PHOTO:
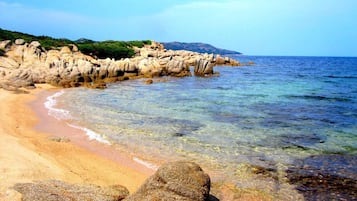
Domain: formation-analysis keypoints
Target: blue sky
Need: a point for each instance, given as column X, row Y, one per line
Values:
column 254, row 27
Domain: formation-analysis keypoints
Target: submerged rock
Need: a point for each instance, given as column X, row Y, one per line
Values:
column 54, row 190
column 326, row 177
column 184, row 181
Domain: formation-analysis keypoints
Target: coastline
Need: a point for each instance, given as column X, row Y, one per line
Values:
column 65, row 130
column 35, row 146
column 27, row 152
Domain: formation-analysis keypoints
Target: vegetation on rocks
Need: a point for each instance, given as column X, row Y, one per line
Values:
column 111, row 49
column 104, row 49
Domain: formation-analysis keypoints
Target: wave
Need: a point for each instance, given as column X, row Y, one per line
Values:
column 91, row 134
column 146, row 164
column 50, row 104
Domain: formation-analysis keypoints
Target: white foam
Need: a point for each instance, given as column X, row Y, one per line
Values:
column 91, row 134
column 50, row 104
column 146, row 164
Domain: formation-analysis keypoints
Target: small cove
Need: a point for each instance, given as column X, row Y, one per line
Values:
column 252, row 126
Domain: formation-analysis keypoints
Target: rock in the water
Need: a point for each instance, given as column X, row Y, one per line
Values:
column 176, row 66
column 149, row 81
column 325, row 177
column 184, row 181
column 54, row 190
column 204, row 67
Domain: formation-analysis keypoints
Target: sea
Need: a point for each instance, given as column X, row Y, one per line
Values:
column 283, row 125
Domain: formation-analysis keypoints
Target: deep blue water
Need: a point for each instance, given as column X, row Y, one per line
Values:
column 277, row 111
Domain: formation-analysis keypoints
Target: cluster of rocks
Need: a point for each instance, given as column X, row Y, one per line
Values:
column 25, row 64
column 181, row 181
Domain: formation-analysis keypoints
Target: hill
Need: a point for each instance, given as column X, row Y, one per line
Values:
column 198, row 47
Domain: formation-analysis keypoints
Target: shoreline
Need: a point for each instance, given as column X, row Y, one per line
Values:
column 27, row 152
column 63, row 129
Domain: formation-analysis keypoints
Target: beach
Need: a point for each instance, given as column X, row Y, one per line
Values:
column 264, row 137
column 27, row 154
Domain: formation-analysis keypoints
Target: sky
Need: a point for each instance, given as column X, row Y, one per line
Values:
column 253, row 27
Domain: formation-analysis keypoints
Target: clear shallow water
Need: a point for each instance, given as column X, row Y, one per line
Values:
column 275, row 112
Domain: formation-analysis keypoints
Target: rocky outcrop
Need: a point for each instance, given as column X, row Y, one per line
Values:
column 24, row 64
column 55, row 190
column 181, row 181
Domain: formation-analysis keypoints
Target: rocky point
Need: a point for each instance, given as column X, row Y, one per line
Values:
column 26, row 64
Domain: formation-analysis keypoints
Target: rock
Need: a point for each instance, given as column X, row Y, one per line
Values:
column 59, row 139
column 149, row 81
column 65, row 50
column 5, row 44
column 184, row 181
column 325, row 177
column 156, row 46
column 54, row 190
column 149, row 67
column 203, row 67
column 8, row 63
column 74, row 48
column 176, row 66
column 220, row 60
column 35, row 44
column 28, row 64
column 19, row 41
column 233, row 62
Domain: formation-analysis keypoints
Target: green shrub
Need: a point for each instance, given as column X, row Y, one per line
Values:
column 51, row 43
column 111, row 49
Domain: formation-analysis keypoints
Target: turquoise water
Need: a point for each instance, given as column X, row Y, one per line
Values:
column 278, row 111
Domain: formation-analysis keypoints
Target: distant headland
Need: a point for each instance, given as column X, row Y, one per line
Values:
column 199, row 47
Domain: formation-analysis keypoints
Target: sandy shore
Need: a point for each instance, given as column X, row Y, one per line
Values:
column 28, row 153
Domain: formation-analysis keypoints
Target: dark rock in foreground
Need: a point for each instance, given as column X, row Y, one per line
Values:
column 54, row 190
column 184, row 181
column 326, row 177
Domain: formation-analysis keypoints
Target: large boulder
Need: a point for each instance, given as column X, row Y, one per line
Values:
column 204, row 67
column 176, row 66
column 127, row 65
column 54, row 190
column 181, row 181
column 150, row 67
